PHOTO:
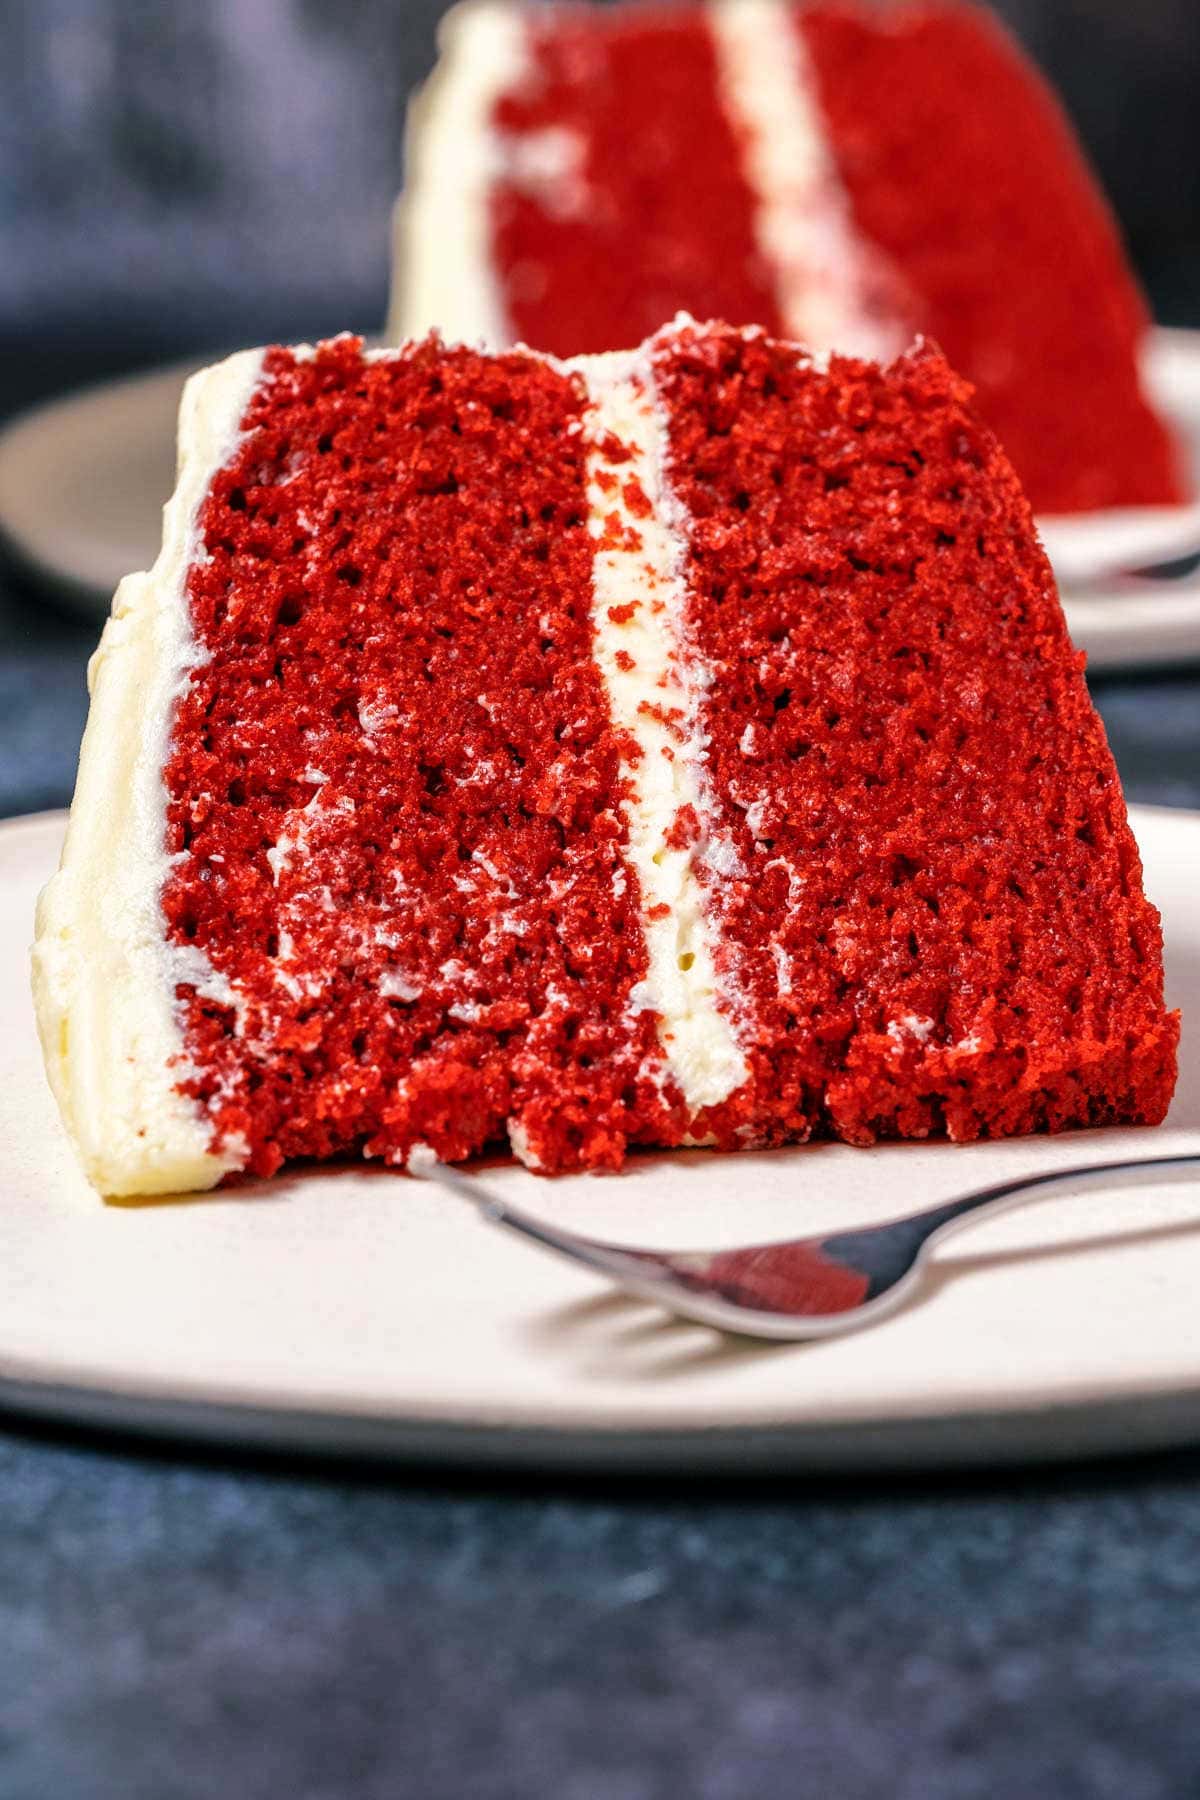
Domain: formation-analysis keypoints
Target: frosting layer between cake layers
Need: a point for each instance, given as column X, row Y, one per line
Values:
column 654, row 680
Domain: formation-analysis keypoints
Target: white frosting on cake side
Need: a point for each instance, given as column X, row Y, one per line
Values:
column 652, row 684
column 802, row 219
column 104, row 975
column 442, row 268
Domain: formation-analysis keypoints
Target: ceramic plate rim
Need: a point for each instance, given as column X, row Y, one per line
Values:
column 1102, row 1425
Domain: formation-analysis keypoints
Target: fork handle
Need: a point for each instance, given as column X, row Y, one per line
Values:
column 1141, row 1171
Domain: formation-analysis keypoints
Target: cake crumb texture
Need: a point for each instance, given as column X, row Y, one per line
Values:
column 941, row 926
column 395, row 788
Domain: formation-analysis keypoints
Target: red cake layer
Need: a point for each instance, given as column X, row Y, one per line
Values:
column 960, row 166
column 399, row 685
column 939, row 924
column 662, row 218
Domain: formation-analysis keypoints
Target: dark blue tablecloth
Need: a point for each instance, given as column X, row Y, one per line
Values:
column 178, row 1631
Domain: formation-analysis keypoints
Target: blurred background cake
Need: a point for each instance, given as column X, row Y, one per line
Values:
column 848, row 175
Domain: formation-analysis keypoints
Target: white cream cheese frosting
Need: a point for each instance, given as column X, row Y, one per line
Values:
column 442, row 275
column 652, row 680
column 104, row 975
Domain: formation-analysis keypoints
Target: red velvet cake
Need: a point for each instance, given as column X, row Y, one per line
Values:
column 841, row 174
column 679, row 746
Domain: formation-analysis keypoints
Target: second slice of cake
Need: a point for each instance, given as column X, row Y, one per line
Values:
column 676, row 746
column 841, row 173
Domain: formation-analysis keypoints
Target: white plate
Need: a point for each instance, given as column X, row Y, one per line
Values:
column 1086, row 547
column 83, row 481
column 359, row 1310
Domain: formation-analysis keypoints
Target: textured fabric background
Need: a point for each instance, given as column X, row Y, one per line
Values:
column 175, row 1628
column 176, row 1631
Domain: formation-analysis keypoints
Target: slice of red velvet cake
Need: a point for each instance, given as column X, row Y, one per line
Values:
column 681, row 746
column 839, row 173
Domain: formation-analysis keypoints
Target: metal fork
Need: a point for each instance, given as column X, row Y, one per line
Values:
column 805, row 1287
